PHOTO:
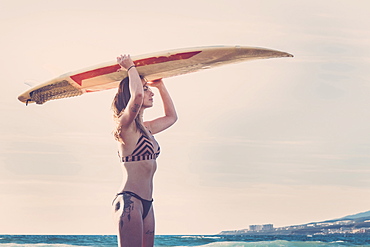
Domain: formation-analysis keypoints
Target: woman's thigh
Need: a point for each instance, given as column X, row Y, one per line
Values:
column 128, row 211
column 149, row 229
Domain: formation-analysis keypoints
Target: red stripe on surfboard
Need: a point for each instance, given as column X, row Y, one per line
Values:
column 94, row 73
column 162, row 59
column 78, row 78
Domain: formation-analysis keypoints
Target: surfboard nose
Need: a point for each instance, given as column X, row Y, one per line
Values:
column 288, row 55
column 283, row 54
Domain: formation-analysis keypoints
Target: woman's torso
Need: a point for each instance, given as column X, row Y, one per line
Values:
column 138, row 157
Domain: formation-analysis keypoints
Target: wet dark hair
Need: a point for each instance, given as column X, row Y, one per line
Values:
column 119, row 104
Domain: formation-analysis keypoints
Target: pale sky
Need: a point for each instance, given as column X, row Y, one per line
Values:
column 282, row 141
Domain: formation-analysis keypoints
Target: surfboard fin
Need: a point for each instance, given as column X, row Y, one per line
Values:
column 30, row 83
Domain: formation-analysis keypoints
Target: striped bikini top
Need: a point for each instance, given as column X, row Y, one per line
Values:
column 144, row 150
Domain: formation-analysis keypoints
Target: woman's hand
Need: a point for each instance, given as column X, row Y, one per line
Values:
column 170, row 116
column 125, row 62
column 155, row 83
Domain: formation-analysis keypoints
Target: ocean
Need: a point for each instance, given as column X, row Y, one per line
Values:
column 190, row 240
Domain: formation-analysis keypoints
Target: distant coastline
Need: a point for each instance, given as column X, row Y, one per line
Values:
column 351, row 224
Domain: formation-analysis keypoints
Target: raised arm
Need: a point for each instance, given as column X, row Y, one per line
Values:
column 136, row 90
column 170, row 115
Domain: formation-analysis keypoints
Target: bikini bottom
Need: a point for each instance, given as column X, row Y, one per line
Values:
column 146, row 203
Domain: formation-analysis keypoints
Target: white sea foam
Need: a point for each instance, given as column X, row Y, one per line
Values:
column 276, row 243
column 201, row 237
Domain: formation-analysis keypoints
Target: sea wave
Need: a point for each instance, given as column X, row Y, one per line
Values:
column 279, row 243
column 39, row 245
column 188, row 241
column 201, row 237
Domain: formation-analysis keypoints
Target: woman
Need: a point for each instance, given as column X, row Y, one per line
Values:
column 138, row 151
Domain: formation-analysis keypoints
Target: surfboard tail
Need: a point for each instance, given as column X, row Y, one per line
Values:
column 57, row 90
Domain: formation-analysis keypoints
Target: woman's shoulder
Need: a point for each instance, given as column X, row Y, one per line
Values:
column 147, row 125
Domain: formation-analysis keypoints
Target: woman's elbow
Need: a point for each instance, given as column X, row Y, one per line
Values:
column 174, row 118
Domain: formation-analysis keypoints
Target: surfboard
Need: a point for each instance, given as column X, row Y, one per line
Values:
column 152, row 66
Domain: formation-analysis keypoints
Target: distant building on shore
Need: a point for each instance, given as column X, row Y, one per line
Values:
column 255, row 228
column 266, row 227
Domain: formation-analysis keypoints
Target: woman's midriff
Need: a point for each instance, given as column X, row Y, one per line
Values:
column 140, row 177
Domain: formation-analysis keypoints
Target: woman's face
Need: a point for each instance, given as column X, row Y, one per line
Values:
column 148, row 97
